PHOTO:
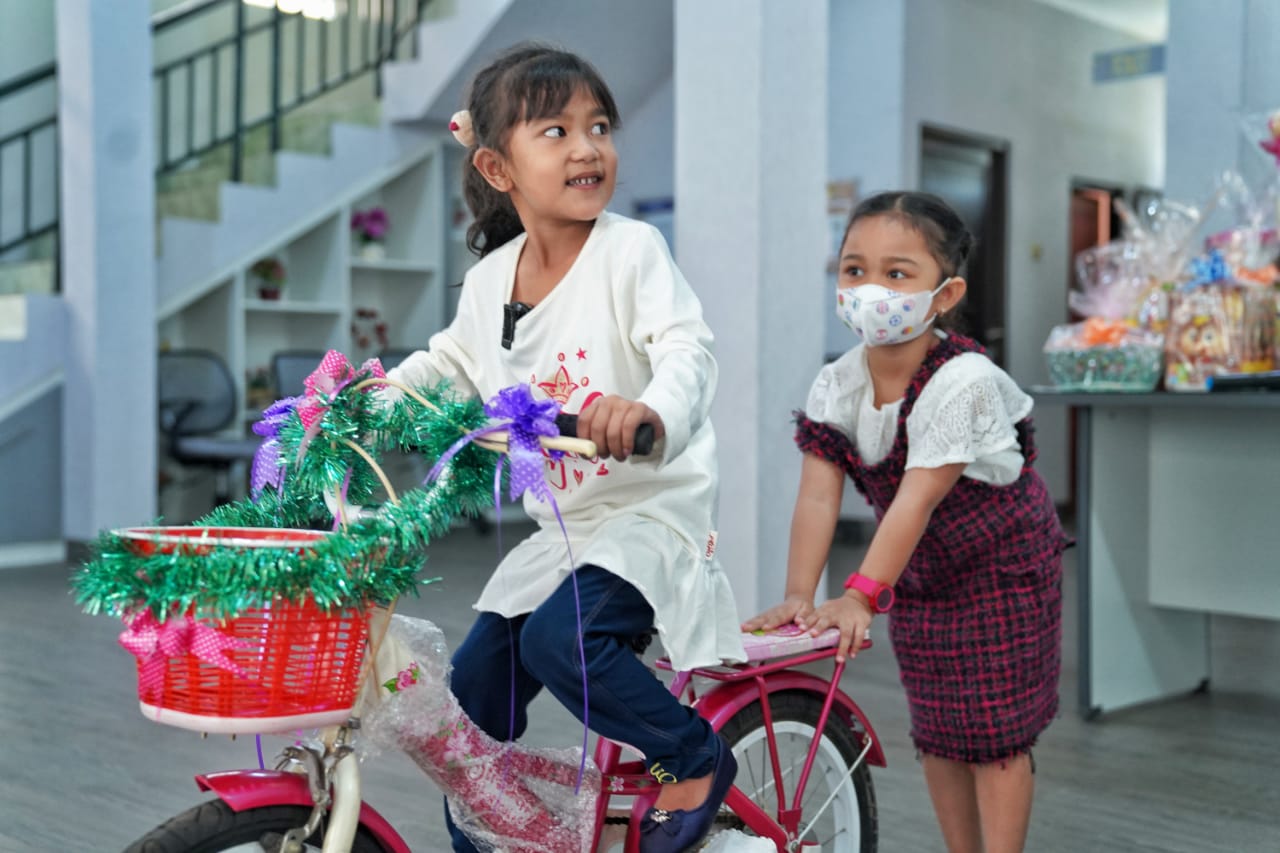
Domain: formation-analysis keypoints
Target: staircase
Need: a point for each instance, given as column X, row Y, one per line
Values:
column 211, row 227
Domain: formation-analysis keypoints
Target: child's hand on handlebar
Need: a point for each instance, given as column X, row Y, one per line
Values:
column 611, row 423
column 850, row 613
column 794, row 609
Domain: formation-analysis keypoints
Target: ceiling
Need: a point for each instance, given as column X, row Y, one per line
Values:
column 1147, row 20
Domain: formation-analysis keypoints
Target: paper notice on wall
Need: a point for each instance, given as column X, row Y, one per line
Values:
column 13, row 317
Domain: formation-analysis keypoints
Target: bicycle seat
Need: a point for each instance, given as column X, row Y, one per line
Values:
column 789, row 639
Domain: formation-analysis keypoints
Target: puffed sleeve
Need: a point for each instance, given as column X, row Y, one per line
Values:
column 666, row 324
column 820, row 404
column 822, row 428
column 968, row 412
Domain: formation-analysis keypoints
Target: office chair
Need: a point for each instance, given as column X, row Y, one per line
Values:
column 290, row 368
column 197, row 400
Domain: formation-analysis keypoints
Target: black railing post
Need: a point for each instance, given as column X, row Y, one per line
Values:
column 27, row 183
column 395, row 29
column 377, row 50
column 275, row 78
column 164, row 120
column 191, row 107
column 215, row 75
column 299, row 64
column 237, row 100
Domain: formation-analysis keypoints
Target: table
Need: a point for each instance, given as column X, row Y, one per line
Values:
column 1177, row 518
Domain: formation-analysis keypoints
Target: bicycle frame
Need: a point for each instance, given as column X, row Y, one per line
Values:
column 738, row 686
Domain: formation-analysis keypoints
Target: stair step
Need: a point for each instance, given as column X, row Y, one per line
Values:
column 35, row 276
column 411, row 88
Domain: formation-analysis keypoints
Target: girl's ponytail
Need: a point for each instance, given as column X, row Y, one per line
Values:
column 495, row 220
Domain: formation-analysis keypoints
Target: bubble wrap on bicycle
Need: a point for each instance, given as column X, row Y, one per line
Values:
column 504, row 796
column 622, row 321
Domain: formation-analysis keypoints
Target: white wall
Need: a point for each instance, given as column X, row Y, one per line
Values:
column 1222, row 66
column 646, row 151
column 1022, row 72
column 26, row 36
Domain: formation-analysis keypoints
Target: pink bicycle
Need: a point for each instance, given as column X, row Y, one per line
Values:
column 803, row 746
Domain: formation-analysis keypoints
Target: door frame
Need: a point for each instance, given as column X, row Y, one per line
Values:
column 998, row 218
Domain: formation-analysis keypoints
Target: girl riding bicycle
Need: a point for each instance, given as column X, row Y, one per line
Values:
column 589, row 308
column 967, row 555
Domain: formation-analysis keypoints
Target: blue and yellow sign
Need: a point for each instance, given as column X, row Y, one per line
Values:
column 1128, row 63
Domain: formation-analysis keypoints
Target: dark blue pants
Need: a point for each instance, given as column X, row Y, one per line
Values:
column 626, row 702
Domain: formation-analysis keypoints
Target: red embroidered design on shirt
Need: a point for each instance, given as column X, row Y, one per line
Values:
column 561, row 388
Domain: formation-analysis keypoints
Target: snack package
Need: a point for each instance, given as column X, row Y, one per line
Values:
column 1224, row 327
column 1104, row 355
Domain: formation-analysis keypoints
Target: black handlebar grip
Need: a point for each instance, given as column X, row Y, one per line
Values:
column 568, row 425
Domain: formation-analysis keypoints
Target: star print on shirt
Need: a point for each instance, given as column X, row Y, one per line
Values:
column 582, row 354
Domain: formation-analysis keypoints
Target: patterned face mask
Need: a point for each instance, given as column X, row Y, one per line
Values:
column 880, row 316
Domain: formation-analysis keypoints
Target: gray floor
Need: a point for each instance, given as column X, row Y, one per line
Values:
column 86, row 772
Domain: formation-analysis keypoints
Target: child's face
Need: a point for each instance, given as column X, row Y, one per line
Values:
column 886, row 251
column 563, row 168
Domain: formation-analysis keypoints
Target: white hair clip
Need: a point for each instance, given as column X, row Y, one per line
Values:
column 460, row 124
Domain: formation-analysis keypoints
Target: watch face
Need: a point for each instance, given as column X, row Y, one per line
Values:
column 884, row 599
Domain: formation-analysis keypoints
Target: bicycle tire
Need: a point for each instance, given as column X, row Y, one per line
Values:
column 214, row 827
column 795, row 718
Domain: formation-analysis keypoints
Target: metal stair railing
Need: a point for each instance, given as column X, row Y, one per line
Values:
column 368, row 34
column 326, row 54
column 31, row 137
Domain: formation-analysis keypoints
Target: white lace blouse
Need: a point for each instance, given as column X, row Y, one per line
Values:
column 966, row 412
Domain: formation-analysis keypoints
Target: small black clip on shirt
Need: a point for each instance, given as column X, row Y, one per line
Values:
column 511, row 313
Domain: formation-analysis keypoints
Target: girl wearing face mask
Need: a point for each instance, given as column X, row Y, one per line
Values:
column 967, row 556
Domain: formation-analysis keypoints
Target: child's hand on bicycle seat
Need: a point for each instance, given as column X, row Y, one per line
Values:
column 793, row 609
column 611, row 423
column 850, row 613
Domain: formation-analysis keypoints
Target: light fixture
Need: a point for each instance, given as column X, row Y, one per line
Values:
column 320, row 10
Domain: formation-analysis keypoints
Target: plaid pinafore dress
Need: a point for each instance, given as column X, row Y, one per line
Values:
column 977, row 625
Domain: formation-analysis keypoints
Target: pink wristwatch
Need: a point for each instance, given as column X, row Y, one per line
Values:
column 881, row 594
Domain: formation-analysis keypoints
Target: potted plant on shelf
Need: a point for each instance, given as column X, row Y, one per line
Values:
column 258, row 393
column 368, row 333
column 269, row 273
column 370, row 228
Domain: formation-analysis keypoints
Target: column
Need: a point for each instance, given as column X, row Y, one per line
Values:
column 108, row 264
column 750, row 176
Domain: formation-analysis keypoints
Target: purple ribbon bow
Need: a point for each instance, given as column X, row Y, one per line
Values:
column 526, row 420
column 267, row 470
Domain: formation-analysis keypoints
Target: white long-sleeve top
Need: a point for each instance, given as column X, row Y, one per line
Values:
column 622, row 321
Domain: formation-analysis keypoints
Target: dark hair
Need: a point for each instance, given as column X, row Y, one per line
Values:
column 948, row 238
column 528, row 82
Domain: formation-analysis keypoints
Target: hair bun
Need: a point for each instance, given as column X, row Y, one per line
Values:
column 460, row 125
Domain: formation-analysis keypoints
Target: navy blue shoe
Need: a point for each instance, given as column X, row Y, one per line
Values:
column 663, row 831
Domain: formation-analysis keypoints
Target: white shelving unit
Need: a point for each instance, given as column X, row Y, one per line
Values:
column 327, row 281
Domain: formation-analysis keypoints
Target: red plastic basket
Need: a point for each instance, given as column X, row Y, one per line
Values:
column 300, row 665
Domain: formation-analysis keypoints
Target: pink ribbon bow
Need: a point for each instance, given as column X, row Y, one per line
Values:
column 333, row 374
column 153, row 642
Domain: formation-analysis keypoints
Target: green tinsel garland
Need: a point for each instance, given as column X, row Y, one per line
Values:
column 371, row 560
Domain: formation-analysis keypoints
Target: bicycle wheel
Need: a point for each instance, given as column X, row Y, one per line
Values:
column 213, row 827
column 848, row 823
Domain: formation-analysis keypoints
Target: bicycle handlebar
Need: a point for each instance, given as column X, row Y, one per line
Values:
column 568, row 425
